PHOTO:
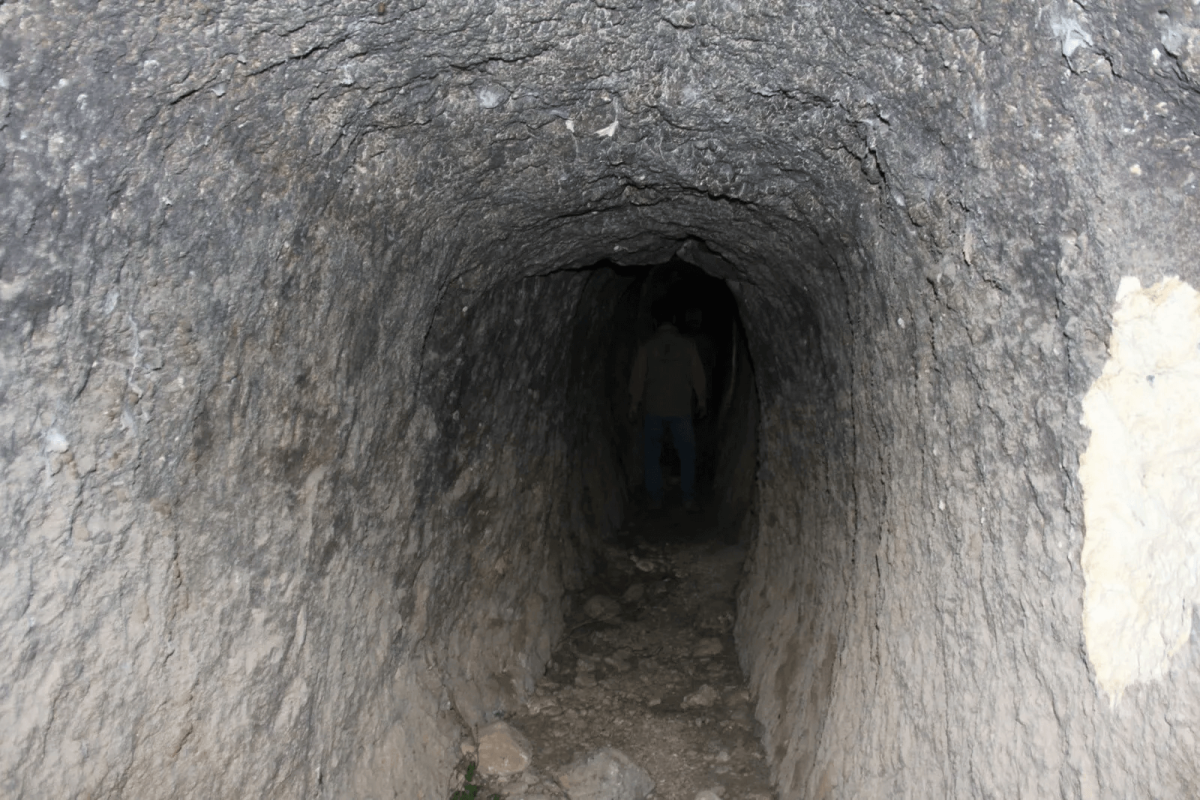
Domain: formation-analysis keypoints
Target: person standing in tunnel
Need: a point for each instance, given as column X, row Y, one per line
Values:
column 666, row 371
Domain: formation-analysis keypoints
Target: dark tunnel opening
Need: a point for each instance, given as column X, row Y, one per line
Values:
column 535, row 371
column 726, row 437
column 531, row 376
column 608, row 314
column 606, row 308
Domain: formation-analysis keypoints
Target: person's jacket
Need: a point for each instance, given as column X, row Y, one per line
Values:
column 667, row 370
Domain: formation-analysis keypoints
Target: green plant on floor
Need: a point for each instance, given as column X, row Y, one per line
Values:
column 469, row 789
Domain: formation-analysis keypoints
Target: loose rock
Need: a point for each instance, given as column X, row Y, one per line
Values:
column 634, row 594
column 606, row 774
column 703, row 697
column 503, row 750
column 623, row 685
column 600, row 607
column 619, row 660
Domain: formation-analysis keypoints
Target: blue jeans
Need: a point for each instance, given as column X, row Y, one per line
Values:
column 685, row 444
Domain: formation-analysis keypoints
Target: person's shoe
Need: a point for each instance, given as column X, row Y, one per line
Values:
column 689, row 505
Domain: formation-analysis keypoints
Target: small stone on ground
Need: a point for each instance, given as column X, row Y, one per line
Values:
column 656, row 679
column 606, row 774
column 601, row 607
column 503, row 750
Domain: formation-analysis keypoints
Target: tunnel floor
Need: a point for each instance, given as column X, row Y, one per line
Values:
column 648, row 667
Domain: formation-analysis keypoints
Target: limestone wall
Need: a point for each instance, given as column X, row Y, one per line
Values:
column 303, row 432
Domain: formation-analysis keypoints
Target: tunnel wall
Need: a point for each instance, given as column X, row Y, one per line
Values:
column 938, row 651
column 308, row 515
column 736, row 478
column 251, row 547
column 525, row 483
column 238, row 554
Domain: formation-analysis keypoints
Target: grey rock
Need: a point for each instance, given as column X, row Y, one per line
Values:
column 334, row 502
column 704, row 697
column 600, row 607
column 605, row 774
column 634, row 594
column 490, row 95
column 503, row 750
column 619, row 660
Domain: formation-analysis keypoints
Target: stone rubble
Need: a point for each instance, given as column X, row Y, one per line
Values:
column 600, row 607
column 703, row 697
column 646, row 700
column 606, row 774
column 502, row 750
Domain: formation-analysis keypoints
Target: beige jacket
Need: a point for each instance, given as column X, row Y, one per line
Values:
column 667, row 370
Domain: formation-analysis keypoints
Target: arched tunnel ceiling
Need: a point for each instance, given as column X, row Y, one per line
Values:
column 505, row 113
column 509, row 111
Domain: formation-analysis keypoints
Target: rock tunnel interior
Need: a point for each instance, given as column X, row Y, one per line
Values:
column 316, row 330
column 726, row 439
column 526, row 382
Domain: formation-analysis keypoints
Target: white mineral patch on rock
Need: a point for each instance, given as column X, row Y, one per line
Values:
column 56, row 442
column 503, row 750
column 608, row 131
column 491, row 96
column 1070, row 34
column 1141, row 555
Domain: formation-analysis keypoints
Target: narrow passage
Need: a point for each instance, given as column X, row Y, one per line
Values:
column 648, row 668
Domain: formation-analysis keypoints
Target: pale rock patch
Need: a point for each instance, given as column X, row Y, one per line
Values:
column 1140, row 474
column 606, row 774
column 503, row 750
column 601, row 607
column 703, row 697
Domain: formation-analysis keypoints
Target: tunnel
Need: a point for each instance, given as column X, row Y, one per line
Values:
column 316, row 322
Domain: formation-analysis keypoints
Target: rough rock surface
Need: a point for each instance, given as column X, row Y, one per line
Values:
column 309, row 407
column 606, row 774
column 601, row 607
column 502, row 750
column 642, row 667
column 1140, row 476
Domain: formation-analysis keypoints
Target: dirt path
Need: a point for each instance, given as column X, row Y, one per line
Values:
column 648, row 667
